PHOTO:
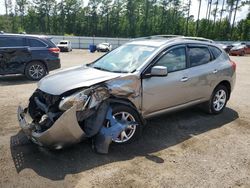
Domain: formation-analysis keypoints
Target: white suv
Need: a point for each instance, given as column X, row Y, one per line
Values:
column 65, row 45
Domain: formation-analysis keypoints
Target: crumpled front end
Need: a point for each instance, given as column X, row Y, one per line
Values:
column 65, row 130
column 59, row 121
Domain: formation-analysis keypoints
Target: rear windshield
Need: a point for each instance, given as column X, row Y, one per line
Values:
column 50, row 42
column 63, row 42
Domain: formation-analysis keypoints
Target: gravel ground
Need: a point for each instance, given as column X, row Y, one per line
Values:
column 183, row 149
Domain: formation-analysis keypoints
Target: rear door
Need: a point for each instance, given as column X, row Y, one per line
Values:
column 14, row 54
column 201, row 73
column 39, row 49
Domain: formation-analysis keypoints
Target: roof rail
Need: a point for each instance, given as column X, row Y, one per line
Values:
column 198, row 39
column 157, row 37
column 174, row 37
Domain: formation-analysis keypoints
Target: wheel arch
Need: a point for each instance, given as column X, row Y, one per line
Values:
column 227, row 84
column 127, row 102
column 34, row 60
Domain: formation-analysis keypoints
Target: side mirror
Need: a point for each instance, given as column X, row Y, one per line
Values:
column 159, row 71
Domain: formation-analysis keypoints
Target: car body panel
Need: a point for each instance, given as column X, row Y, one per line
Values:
column 12, row 60
column 72, row 78
column 65, row 130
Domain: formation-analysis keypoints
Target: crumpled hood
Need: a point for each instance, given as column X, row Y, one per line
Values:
column 76, row 77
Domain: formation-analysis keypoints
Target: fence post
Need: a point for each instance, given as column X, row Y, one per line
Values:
column 79, row 43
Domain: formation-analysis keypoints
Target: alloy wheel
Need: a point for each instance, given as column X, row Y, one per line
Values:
column 36, row 71
column 219, row 100
column 130, row 130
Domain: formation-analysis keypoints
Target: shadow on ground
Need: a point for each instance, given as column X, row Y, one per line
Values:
column 159, row 134
column 14, row 80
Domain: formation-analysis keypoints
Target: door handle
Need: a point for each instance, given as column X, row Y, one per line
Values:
column 184, row 79
column 215, row 71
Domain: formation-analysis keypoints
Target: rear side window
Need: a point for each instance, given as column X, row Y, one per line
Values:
column 36, row 43
column 11, row 41
column 215, row 51
column 198, row 56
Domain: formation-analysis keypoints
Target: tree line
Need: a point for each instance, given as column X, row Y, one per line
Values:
column 126, row 18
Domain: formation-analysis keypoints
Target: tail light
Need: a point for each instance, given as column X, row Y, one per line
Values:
column 233, row 64
column 54, row 50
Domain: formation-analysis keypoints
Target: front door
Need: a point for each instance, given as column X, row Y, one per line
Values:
column 164, row 92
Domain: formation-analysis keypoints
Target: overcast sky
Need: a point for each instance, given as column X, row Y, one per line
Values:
column 194, row 7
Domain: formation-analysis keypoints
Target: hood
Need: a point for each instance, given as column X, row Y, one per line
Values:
column 238, row 47
column 72, row 78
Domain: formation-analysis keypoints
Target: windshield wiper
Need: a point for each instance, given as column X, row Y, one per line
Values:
column 103, row 69
column 120, row 71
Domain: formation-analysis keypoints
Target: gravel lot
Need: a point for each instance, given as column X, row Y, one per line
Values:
column 184, row 149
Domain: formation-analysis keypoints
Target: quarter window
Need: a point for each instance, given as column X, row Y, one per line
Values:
column 215, row 51
column 198, row 56
column 11, row 41
column 174, row 59
column 36, row 43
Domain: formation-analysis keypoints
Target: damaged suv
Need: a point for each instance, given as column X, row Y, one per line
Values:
column 109, row 99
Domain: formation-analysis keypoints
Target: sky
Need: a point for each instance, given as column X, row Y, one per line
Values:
column 193, row 11
column 195, row 5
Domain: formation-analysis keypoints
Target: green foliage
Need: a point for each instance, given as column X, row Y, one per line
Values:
column 123, row 18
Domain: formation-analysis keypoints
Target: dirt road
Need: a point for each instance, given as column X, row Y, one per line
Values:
column 183, row 149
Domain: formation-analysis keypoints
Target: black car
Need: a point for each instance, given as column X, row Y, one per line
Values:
column 33, row 56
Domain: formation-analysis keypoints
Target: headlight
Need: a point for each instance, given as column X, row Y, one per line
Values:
column 80, row 99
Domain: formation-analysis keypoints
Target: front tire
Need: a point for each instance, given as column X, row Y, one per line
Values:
column 126, row 113
column 35, row 71
column 218, row 100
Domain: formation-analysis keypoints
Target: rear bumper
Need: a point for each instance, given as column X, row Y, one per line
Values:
column 54, row 64
column 235, row 52
column 62, row 49
column 65, row 130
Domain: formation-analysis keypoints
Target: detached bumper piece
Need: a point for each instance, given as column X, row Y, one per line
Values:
column 107, row 134
column 65, row 131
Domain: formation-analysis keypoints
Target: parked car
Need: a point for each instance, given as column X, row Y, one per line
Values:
column 65, row 45
column 104, row 47
column 240, row 49
column 112, row 97
column 227, row 47
column 33, row 56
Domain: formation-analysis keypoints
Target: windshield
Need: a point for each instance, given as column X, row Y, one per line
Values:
column 63, row 42
column 125, row 59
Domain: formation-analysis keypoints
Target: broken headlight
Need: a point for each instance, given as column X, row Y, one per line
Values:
column 80, row 98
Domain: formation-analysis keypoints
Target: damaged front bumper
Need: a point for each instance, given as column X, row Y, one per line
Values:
column 65, row 131
column 58, row 121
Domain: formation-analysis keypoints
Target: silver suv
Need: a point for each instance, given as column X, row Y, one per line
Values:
column 111, row 98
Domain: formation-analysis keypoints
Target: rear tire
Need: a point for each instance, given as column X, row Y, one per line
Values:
column 217, row 101
column 35, row 70
column 133, row 133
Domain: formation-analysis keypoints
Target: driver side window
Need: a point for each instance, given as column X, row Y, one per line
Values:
column 174, row 59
